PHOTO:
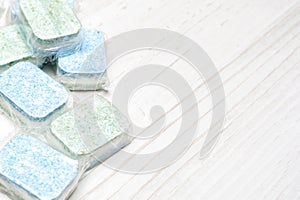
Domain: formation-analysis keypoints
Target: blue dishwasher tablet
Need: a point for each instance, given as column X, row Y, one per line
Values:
column 77, row 63
column 31, row 92
column 30, row 169
column 84, row 69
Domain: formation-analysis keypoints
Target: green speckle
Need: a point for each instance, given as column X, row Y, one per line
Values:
column 56, row 16
column 13, row 45
column 92, row 127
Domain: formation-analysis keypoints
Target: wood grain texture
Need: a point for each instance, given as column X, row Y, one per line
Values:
column 255, row 46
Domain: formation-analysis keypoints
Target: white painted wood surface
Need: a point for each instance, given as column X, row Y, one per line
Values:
column 255, row 46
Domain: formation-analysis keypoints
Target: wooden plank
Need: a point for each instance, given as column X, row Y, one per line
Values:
column 121, row 180
column 255, row 47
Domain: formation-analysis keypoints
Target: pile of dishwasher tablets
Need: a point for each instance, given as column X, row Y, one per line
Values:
column 55, row 142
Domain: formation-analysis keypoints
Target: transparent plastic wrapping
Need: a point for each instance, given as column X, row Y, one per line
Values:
column 6, row 7
column 13, row 46
column 42, row 61
column 30, row 97
column 86, row 68
column 31, row 170
column 93, row 130
column 51, row 27
column 7, row 130
column 75, row 5
column 71, row 4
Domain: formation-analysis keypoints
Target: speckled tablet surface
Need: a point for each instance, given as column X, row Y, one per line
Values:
column 31, row 91
column 50, row 19
column 90, row 61
column 34, row 170
column 13, row 45
column 88, row 128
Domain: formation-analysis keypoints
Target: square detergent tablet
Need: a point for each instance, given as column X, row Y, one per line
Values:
column 30, row 169
column 31, row 92
column 86, row 68
column 13, row 45
column 92, row 128
column 51, row 26
column 50, row 19
column 89, row 60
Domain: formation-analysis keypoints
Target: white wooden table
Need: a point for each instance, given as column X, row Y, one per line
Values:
column 255, row 46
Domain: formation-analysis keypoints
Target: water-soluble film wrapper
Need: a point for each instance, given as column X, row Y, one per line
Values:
column 30, row 97
column 86, row 68
column 51, row 27
column 7, row 130
column 31, row 170
column 6, row 10
column 13, row 46
column 93, row 130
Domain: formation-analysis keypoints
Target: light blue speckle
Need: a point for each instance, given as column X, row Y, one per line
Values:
column 32, row 92
column 71, row 3
column 36, row 169
column 89, row 61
